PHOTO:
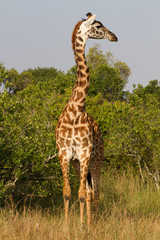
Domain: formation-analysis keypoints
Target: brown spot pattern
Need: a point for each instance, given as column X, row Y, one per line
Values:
column 82, row 74
column 82, row 83
column 80, row 39
column 80, row 108
column 77, row 44
column 68, row 142
column 67, row 119
column 81, row 67
column 87, row 70
column 72, row 109
column 79, row 50
column 80, row 59
column 84, row 118
column 69, row 133
column 86, row 89
column 78, row 96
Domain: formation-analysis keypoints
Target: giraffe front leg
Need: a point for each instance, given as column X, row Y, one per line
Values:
column 66, row 197
column 82, row 189
column 66, row 188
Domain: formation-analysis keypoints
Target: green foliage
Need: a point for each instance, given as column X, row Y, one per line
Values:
column 29, row 109
column 124, row 71
column 108, row 76
column 13, row 81
column 43, row 74
column 151, row 90
column 131, row 133
column 3, row 73
column 107, row 81
column 19, row 81
column 95, row 56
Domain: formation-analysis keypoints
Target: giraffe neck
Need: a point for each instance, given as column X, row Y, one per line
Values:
column 79, row 91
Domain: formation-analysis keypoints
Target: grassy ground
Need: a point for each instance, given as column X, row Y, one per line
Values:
column 128, row 210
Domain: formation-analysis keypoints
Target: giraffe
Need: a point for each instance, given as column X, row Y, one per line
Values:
column 78, row 136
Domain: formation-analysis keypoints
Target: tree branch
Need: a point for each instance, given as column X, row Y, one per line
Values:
column 50, row 157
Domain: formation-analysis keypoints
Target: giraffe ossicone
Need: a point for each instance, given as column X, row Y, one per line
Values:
column 78, row 136
column 90, row 20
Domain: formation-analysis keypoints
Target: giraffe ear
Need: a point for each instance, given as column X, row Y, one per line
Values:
column 90, row 20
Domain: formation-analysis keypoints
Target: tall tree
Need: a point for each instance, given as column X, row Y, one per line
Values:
column 108, row 76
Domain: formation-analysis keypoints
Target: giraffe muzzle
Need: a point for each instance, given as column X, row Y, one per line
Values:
column 112, row 37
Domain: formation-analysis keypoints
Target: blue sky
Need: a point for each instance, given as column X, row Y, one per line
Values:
column 38, row 33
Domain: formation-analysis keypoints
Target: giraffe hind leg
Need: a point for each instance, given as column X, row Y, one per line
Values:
column 88, row 198
column 95, row 194
column 82, row 192
column 64, row 161
column 95, row 178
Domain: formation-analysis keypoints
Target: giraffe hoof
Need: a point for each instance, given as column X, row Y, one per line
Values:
column 66, row 193
column 82, row 200
column 66, row 198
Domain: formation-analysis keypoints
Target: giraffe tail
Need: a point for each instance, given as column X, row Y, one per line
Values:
column 89, row 179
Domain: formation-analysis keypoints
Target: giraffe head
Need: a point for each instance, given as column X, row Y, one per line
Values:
column 90, row 28
column 95, row 29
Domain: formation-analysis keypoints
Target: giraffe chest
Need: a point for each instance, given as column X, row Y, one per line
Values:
column 76, row 146
column 75, row 134
column 78, row 135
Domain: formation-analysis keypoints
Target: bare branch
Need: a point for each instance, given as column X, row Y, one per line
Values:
column 139, row 165
column 154, row 176
column 50, row 158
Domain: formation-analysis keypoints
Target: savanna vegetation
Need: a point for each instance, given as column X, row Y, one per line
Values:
column 30, row 174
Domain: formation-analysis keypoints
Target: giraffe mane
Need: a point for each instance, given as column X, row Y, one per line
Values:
column 74, row 33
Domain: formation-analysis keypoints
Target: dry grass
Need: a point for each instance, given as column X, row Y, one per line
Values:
column 35, row 225
column 128, row 209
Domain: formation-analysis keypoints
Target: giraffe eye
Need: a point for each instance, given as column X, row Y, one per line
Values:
column 98, row 26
